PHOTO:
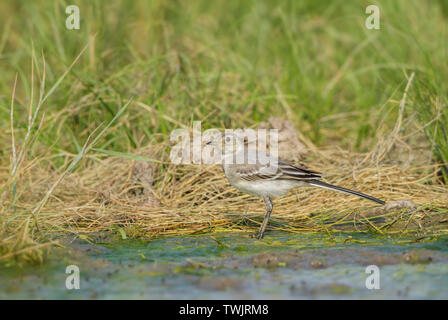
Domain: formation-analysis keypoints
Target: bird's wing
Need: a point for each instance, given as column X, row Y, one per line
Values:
column 296, row 172
column 255, row 172
column 283, row 171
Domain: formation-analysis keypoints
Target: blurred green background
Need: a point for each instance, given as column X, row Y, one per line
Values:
column 228, row 63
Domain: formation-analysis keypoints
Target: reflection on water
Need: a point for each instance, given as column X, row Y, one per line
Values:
column 233, row 266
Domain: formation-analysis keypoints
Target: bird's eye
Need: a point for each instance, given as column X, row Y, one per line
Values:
column 228, row 139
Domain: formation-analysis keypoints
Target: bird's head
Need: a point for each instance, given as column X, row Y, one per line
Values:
column 225, row 141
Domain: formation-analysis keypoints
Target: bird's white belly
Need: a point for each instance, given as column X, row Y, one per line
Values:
column 269, row 188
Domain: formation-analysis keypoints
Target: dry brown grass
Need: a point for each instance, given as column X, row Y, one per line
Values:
column 196, row 198
column 110, row 194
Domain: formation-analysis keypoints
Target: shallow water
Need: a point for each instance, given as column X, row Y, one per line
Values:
column 234, row 266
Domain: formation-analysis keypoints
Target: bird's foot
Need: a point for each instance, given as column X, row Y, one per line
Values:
column 257, row 235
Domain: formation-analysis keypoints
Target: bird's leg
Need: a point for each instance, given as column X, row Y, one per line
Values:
column 269, row 206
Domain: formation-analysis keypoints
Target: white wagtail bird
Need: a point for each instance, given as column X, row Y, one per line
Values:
column 267, row 180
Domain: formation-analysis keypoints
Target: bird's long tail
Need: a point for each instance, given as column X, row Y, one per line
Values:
column 325, row 185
